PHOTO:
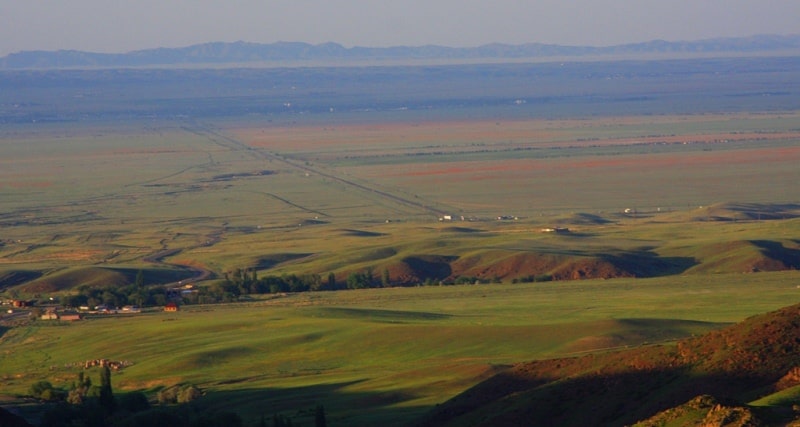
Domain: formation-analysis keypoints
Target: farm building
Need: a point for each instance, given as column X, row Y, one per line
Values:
column 53, row 314
column 50, row 315
column 72, row 317
column 171, row 306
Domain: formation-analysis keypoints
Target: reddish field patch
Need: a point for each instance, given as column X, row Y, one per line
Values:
column 483, row 170
column 16, row 185
column 516, row 133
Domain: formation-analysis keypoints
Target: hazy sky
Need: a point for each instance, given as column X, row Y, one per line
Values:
column 124, row 25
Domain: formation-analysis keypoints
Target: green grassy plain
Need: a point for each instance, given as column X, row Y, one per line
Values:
column 231, row 195
column 713, row 213
column 382, row 355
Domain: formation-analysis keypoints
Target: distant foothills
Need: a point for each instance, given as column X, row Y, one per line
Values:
column 286, row 53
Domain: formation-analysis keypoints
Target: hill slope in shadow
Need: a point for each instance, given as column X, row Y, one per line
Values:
column 734, row 365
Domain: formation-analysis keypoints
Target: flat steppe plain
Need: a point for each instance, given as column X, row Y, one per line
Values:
column 225, row 194
column 678, row 186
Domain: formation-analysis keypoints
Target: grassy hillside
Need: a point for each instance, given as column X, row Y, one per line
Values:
column 379, row 356
column 662, row 244
column 226, row 194
column 754, row 358
column 70, row 278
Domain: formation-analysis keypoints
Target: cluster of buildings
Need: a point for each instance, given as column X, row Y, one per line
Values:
column 70, row 315
column 64, row 316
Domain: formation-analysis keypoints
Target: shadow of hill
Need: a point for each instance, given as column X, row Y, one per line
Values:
column 737, row 363
column 632, row 332
column 392, row 316
column 17, row 277
column 583, row 219
column 612, row 400
column 152, row 275
column 269, row 261
column 343, row 407
column 646, row 263
column 467, row 230
column 434, row 267
column 360, row 233
column 95, row 276
column 789, row 257
column 9, row 419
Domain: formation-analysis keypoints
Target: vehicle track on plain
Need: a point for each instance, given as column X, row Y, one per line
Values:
column 229, row 142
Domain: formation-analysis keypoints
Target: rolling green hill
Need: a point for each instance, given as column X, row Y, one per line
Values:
column 70, row 278
column 750, row 360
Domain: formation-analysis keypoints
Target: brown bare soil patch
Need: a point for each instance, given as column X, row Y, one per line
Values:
column 416, row 269
column 590, row 268
column 527, row 265
column 511, row 266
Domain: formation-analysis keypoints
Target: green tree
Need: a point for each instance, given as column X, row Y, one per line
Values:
column 111, row 299
column 354, row 281
column 331, row 281
column 313, row 282
column 76, row 396
column 369, row 276
column 73, row 301
column 139, row 282
column 188, row 394
column 38, row 388
column 168, row 395
column 386, row 280
column 361, row 280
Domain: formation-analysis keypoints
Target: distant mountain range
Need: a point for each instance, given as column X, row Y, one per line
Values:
column 244, row 53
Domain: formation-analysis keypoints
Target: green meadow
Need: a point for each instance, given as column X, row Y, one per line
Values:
column 381, row 355
column 223, row 196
